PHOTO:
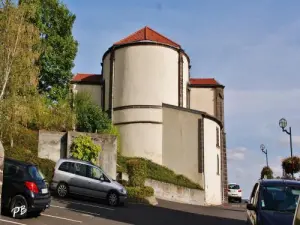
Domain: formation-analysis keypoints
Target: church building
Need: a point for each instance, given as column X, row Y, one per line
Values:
column 161, row 112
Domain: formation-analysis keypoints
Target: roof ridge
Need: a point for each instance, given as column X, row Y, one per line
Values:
column 163, row 36
column 131, row 35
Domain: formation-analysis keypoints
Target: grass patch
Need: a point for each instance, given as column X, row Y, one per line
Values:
column 159, row 173
column 26, row 149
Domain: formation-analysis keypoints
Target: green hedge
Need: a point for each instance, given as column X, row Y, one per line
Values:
column 137, row 170
column 160, row 173
column 45, row 165
column 139, row 192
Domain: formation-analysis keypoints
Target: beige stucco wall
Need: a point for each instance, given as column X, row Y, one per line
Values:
column 202, row 99
column 138, row 114
column 95, row 90
column 145, row 75
column 180, row 143
column 213, row 192
column 142, row 140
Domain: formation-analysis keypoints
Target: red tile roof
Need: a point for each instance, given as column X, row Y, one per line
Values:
column 87, row 78
column 204, row 82
column 147, row 34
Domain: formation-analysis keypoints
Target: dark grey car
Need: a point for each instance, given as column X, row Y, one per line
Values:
column 83, row 178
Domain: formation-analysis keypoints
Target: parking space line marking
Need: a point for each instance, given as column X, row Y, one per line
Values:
column 84, row 204
column 75, row 210
column 8, row 221
column 62, row 218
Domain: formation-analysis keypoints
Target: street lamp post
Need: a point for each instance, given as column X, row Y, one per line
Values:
column 265, row 151
column 283, row 125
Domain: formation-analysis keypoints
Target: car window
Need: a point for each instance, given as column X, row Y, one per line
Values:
column 11, row 170
column 35, row 173
column 280, row 198
column 94, row 172
column 67, row 167
column 81, row 169
column 233, row 186
column 253, row 193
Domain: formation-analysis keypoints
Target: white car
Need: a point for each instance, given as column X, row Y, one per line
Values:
column 234, row 192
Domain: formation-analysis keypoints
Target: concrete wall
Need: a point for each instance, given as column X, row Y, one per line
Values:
column 203, row 99
column 56, row 145
column 52, row 145
column 181, row 142
column 171, row 192
column 213, row 189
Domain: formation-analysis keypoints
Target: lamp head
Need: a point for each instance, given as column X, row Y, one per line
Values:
column 262, row 147
column 282, row 123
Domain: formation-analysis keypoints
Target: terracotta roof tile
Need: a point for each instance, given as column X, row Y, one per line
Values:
column 87, row 78
column 147, row 34
column 204, row 81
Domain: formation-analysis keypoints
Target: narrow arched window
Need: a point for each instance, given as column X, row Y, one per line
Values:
column 218, row 165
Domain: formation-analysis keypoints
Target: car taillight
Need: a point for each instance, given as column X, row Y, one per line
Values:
column 32, row 187
column 240, row 190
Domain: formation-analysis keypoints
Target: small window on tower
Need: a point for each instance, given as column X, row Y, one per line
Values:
column 218, row 165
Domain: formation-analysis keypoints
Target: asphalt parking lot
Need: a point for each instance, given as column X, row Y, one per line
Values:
column 78, row 211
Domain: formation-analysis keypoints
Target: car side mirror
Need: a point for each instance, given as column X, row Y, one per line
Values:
column 251, row 207
column 102, row 179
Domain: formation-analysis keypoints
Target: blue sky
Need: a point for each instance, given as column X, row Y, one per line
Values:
column 252, row 47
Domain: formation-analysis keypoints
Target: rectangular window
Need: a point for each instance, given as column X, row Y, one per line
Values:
column 218, row 165
column 218, row 137
column 188, row 94
column 67, row 167
column 81, row 169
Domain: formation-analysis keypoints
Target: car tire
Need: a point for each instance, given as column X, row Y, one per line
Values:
column 240, row 200
column 62, row 190
column 18, row 201
column 112, row 198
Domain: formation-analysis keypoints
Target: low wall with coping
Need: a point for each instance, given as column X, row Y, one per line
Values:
column 171, row 192
column 174, row 193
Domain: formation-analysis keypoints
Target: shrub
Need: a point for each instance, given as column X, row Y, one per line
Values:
column 45, row 165
column 89, row 116
column 139, row 192
column 159, row 173
column 266, row 171
column 84, row 148
column 291, row 165
column 137, row 172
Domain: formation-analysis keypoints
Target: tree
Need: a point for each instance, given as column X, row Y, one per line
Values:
column 291, row 164
column 89, row 116
column 83, row 148
column 58, row 46
column 266, row 171
column 18, row 73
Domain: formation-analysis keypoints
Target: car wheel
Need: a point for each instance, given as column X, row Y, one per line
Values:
column 112, row 198
column 18, row 207
column 62, row 190
column 240, row 200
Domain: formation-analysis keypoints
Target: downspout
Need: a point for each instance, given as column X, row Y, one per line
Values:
column 180, row 78
column 111, row 77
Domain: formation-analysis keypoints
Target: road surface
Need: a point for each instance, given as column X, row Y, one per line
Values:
column 77, row 211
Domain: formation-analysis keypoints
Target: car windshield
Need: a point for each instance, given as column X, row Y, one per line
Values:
column 233, row 186
column 35, row 173
column 280, row 198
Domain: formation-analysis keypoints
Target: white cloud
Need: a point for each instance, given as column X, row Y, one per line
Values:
column 236, row 153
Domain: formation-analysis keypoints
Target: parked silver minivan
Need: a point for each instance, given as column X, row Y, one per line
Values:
column 85, row 179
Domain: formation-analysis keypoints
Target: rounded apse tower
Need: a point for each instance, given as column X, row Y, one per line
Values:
column 141, row 72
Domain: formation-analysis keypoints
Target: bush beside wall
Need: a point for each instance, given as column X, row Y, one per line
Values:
column 157, row 172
